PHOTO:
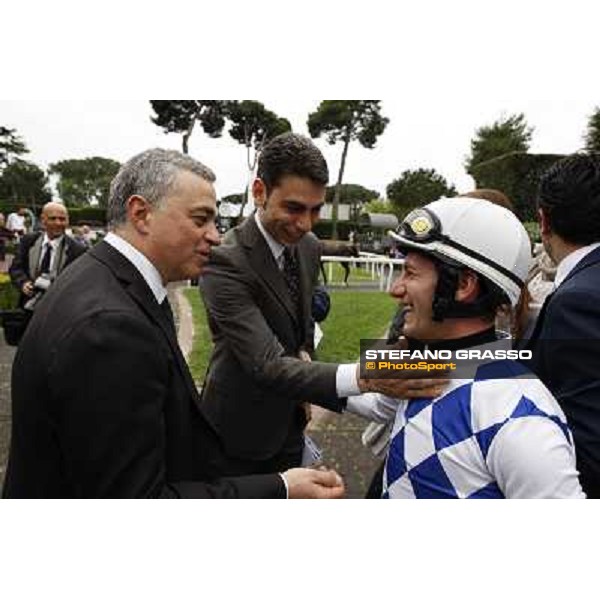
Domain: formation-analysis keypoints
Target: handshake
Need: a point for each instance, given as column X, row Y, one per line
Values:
column 317, row 484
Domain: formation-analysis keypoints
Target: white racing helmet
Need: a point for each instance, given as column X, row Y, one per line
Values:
column 473, row 233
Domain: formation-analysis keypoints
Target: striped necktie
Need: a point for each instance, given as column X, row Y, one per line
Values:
column 291, row 273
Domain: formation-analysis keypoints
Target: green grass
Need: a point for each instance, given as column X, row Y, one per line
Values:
column 354, row 315
column 202, row 347
column 357, row 275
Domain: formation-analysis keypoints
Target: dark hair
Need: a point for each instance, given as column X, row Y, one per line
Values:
column 569, row 195
column 291, row 154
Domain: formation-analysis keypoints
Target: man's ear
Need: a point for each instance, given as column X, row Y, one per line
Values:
column 139, row 213
column 468, row 286
column 259, row 191
column 544, row 222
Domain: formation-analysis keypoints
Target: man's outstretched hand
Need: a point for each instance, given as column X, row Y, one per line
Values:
column 311, row 483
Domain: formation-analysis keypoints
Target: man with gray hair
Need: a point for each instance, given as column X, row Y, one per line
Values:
column 109, row 408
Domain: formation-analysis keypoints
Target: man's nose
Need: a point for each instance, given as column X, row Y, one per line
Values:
column 212, row 234
column 304, row 222
column 398, row 288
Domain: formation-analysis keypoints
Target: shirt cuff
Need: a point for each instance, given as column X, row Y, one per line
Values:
column 285, row 483
column 346, row 381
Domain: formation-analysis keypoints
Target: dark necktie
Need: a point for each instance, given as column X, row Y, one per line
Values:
column 168, row 313
column 291, row 274
column 45, row 265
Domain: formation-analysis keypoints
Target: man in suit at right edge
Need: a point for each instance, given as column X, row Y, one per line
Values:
column 566, row 338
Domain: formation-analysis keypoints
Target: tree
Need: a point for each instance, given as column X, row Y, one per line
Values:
column 233, row 198
column 11, row 146
column 592, row 135
column 416, row 188
column 507, row 134
column 378, row 205
column 84, row 182
column 26, row 182
column 353, row 194
column 180, row 116
column 252, row 125
column 345, row 121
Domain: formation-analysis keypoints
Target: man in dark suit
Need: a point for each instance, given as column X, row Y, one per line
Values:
column 47, row 252
column 108, row 408
column 258, row 289
column 566, row 338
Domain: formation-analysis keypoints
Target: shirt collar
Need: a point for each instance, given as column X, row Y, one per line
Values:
column 146, row 269
column 275, row 247
column 569, row 262
column 54, row 243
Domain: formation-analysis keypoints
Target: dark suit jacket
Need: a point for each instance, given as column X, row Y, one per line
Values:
column 103, row 402
column 25, row 263
column 566, row 357
column 254, row 384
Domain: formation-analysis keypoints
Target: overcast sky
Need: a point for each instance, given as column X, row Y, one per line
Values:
column 442, row 69
column 427, row 129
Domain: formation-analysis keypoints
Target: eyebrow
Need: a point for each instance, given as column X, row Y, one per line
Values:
column 291, row 203
column 203, row 211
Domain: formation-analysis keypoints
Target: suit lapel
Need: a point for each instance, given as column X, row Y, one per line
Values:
column 137, row 288
column 63, row 255
column 264, row 265
column 34, row 257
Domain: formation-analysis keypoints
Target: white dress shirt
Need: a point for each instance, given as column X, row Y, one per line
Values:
column 146, row 269
column 569, row 262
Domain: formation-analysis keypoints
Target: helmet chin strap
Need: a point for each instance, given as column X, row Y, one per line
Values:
column 444, row 305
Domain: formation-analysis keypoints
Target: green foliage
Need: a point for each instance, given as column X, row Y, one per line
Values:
column 379, row 206
column 592, row 135
column 507, row 134
column 9, row 295
column 90, row 215
column 417, row 187
column 323, row 229
column 11, row 146
column 180, row 116
column 533, row 229
column 25, row 182
column 85, row 181
column 233, row 198
column 345, row 121
column 252, row 124
column 351, row 193
column 517, row 175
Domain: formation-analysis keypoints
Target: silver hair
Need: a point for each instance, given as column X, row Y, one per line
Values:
column 151, row 175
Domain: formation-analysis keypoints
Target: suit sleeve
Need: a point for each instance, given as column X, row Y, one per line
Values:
column 235, row 315
column 110, row 383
